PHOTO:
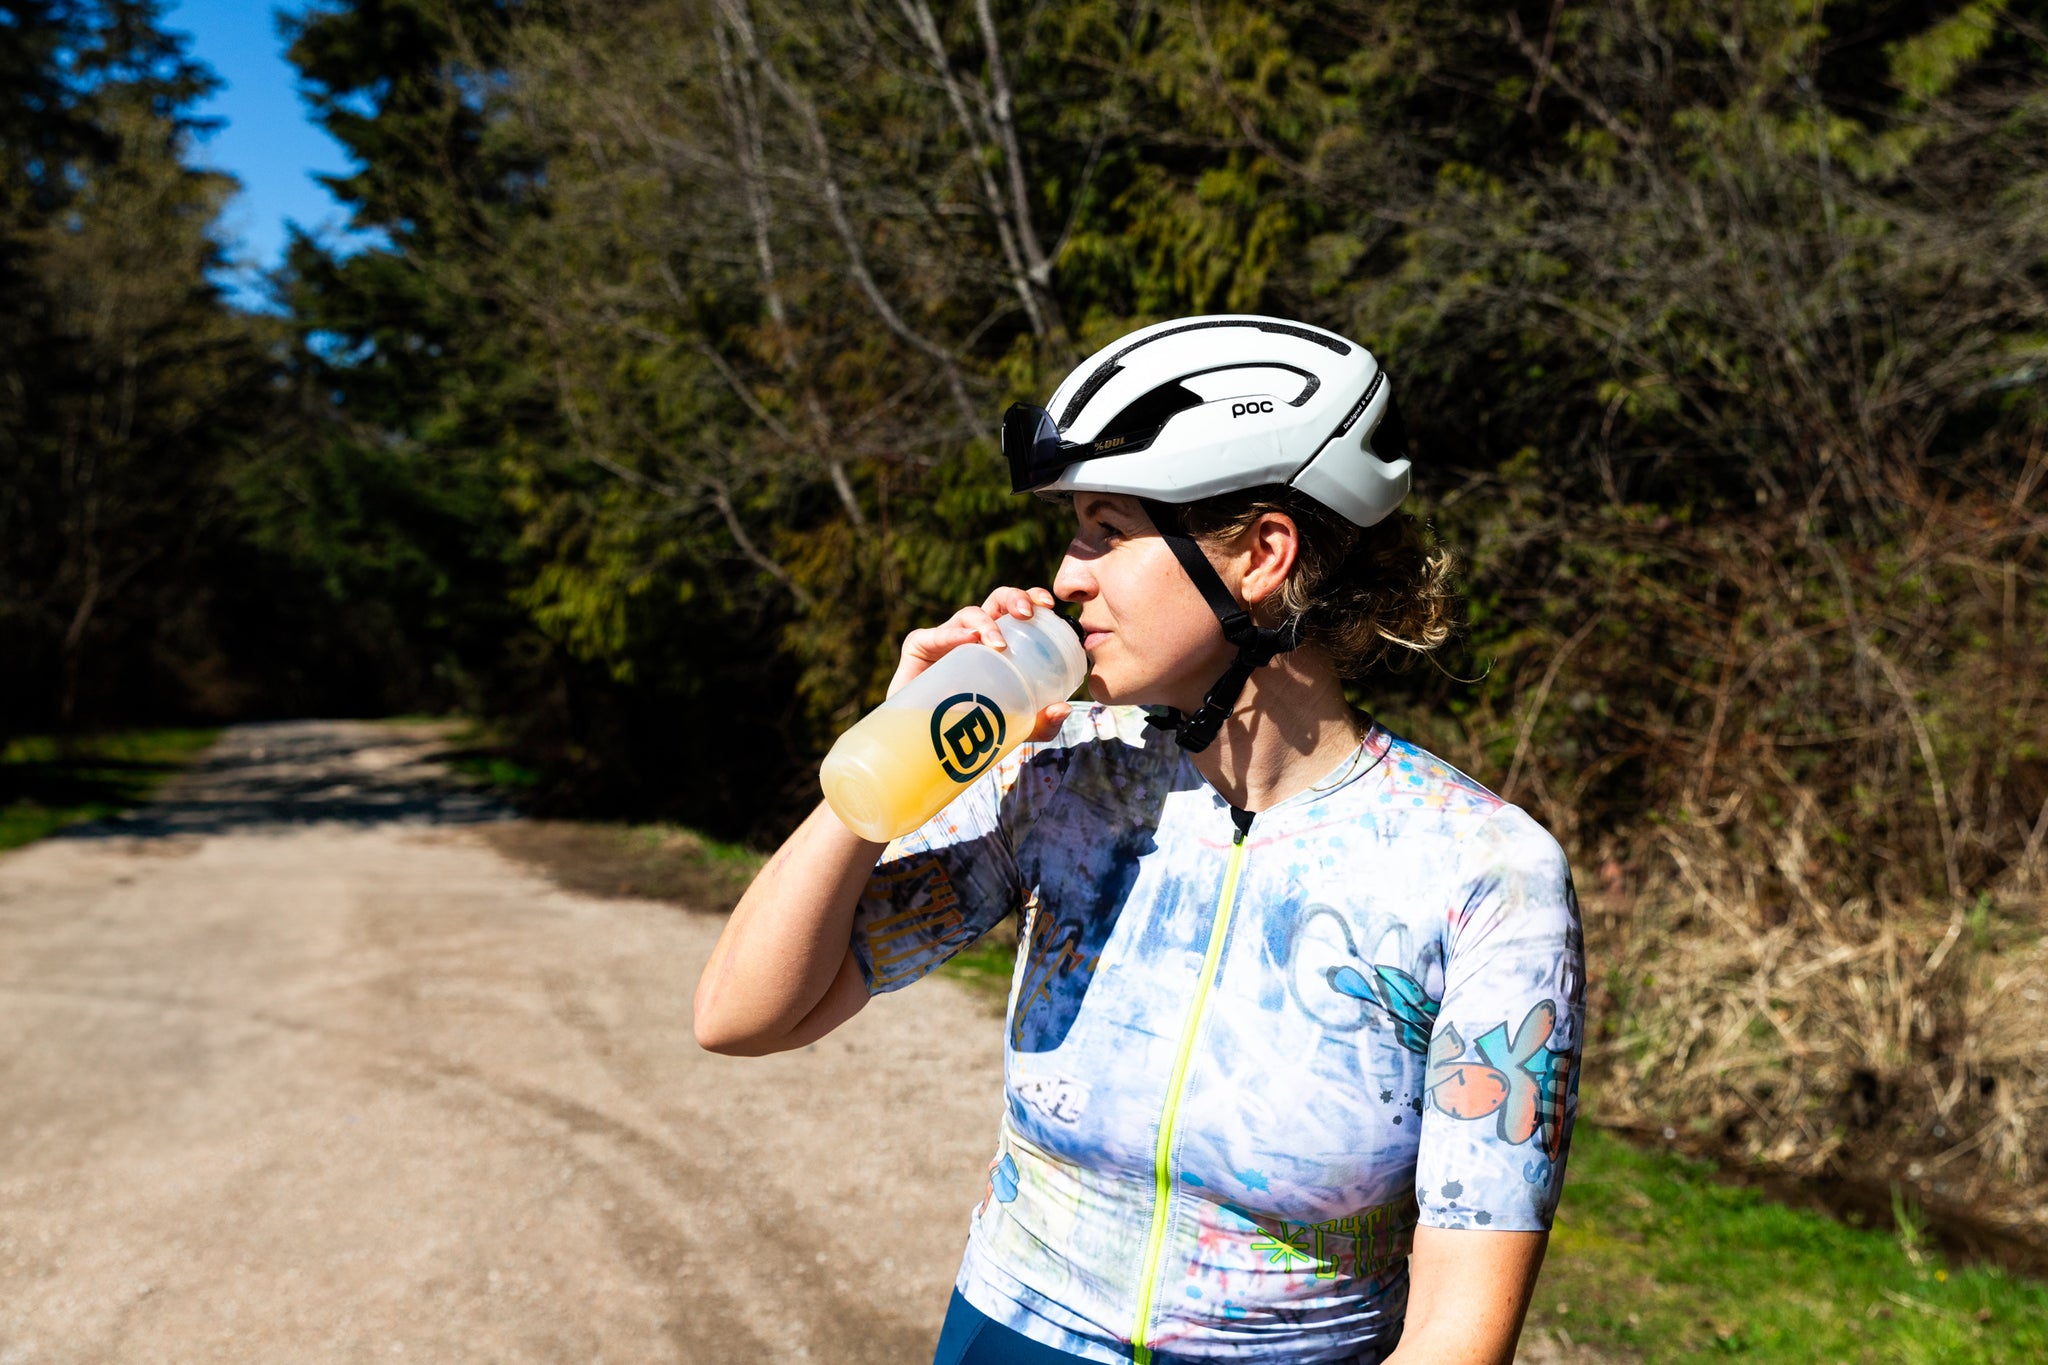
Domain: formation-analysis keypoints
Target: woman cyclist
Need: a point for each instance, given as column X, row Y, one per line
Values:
column 1292, row 1040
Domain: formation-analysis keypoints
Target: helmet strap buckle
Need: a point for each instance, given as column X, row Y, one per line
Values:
column 1257, row 645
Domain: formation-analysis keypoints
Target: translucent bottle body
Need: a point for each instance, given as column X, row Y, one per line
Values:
column 905, row 760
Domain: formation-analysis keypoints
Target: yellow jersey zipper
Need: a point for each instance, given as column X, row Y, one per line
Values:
column 1169, row 1118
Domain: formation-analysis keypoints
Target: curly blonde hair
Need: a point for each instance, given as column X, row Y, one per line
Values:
column 1369, row 597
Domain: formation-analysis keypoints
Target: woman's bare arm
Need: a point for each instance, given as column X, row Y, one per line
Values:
column 783, row 973
column 1467, row 1294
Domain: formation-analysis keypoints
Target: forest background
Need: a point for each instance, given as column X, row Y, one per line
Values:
column 666, row 401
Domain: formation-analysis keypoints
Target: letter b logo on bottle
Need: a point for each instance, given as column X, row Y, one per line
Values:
column 967, row 730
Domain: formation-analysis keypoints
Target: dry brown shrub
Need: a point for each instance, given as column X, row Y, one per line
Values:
column 1804, row 775
column 1881, row 1040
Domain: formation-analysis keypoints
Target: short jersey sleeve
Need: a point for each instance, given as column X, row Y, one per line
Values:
column 939, row 888
column 1504, row 1051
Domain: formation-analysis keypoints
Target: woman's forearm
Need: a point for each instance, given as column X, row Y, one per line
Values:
column 1467, row 1293
column 782, row 973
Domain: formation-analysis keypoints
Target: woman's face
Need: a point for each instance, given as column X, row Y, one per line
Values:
column 1151, row 639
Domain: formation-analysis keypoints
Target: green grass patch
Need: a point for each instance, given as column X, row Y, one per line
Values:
column 1654, row 1258
column 495, row 770
column 49, row 782
column 480, row 752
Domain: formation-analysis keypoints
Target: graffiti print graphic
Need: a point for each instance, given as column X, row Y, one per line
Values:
column 1002, row 1182
column 1362, row 1243
column 1396, row 992
column 1519, row 1079
column 1334, row 984
column 1055, row 1097
column 1321, row 942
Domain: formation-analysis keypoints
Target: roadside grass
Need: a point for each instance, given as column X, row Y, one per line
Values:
column 496, row 770
column 985, row 967
column 668, row 862
column 480, row 753
column 49, row 782
column 1655, row 1259
column 654, row 861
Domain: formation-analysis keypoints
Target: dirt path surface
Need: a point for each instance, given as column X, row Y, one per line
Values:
column 298, row 1069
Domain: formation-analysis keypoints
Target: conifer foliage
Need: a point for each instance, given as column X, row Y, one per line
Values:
column 125, row 382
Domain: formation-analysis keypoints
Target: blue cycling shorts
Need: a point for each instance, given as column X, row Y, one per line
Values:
column 970, row 1337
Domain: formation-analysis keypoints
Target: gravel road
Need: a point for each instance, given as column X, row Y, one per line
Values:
column 299, row 1069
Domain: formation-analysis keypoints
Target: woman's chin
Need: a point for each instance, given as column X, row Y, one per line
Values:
column 1109, row 691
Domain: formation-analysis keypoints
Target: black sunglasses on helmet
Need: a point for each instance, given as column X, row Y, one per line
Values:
column 1037, row 455
column 1032, row 445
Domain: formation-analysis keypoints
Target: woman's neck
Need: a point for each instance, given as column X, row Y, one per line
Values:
column 1289, row 729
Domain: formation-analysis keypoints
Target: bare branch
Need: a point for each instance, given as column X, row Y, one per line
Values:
column 1549, row 71
column 745, row 115
column 1003, row 115
column 921, row 20
column 721, row 498
column 828, row 186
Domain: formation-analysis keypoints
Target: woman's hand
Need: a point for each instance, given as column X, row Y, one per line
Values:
column 979, row 625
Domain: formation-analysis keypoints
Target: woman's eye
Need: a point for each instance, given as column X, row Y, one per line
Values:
column 1110, row 532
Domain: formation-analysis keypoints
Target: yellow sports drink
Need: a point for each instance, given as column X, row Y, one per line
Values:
column 904, row 761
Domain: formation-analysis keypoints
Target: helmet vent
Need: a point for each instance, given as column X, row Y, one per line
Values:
column 1150, row 412
column 1234, row 381
column 1109, row 369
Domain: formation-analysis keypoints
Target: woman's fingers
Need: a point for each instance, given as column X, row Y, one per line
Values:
column 969, row 625
column 935, row 642
column 1018, row 602
column 982, row 623
column 1009, row 602
column 1049, row 721
column 923, row 648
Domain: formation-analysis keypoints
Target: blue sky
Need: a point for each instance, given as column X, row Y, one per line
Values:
column 270, row 141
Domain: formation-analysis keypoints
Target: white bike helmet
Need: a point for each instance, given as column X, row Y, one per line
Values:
column 1188, row 409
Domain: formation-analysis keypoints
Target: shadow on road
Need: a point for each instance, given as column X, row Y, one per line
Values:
column 295, row 773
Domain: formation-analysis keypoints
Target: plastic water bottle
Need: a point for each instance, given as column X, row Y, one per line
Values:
column 904, row 761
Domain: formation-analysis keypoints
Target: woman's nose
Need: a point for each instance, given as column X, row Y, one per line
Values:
column 1073, row 583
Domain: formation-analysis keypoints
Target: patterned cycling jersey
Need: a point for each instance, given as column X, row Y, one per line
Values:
column 1240, row 1071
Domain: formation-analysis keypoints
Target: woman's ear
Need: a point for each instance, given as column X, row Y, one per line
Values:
column 1267, row 553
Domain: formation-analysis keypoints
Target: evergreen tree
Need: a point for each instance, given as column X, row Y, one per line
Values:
column 127, row 379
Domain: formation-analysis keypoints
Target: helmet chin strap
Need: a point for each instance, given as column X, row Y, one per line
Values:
column 1257, row 645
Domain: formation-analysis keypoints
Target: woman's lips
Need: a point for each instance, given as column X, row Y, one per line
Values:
column 1091, row 637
